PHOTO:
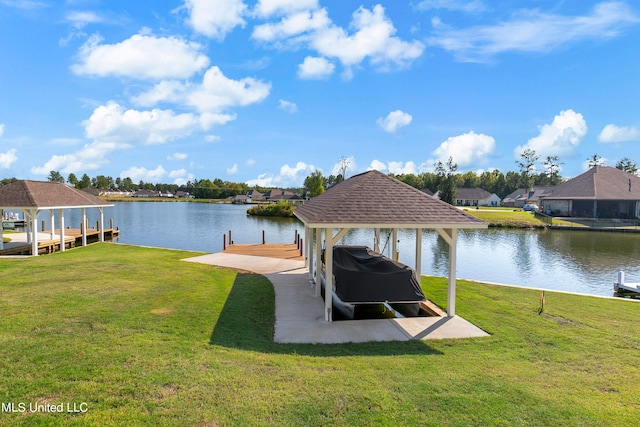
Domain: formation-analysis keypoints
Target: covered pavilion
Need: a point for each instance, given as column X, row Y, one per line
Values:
column 377, row 201
column 33, row 197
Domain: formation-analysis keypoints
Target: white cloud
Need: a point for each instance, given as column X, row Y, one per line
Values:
column 394, row 121
column 180, row 176
column 1, row 130
column 467, row 149
column 215, row 18
column 292, row 25
column 177, row 156
column 534, row 31
column 288, row 106
column 397, row 168
column 212, row 138
column 460, row 5
column 233, row 169
column 141, row 56
column 143, row 174
column 113, row 123
column 400, row 168
column 373, row 37
column 558, row 138
column 8, row 158
column 90, row 157
column 217, row 91
column 263, row 180
column 268, row 8
column 289, row 176
column 215, row 94
column 613, row 133
column 315, row 68
column 79, row 19
column 250, row 162
column 377, row 165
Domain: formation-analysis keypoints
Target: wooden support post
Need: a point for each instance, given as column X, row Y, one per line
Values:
column 230, row 239
column 300, row 246
column 318, row 269
column 224, row 242
column 263, row 240
column 42, row 226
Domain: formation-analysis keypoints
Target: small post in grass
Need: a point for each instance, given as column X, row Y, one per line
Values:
column 541, row 308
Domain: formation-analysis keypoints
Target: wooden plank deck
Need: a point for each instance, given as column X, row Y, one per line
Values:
column 72, row 238
column 281, row 251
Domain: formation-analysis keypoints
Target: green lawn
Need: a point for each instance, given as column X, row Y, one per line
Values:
column 145, row 339
column 507, row 218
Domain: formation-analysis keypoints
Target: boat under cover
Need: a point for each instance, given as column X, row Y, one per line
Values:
column 363, row 276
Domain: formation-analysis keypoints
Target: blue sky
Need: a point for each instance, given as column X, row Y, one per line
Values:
column 267, row 91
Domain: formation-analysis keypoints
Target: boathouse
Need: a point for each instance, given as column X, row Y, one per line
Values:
column 373, row 200
column 600, row 192
column 34, row 197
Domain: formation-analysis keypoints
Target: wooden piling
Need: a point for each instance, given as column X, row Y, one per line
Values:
column 263, row 240
column 300, row 246
column 224, row 242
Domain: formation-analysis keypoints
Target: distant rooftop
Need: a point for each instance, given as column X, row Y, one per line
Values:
column 599, row 183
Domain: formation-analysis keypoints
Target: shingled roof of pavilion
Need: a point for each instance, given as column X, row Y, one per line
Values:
column 27, row 194
column 373, row 199
column 598, row 183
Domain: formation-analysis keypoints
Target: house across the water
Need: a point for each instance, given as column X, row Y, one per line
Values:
column 476, row 197
column 600, row 192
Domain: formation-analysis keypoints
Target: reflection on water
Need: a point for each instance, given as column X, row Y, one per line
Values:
column 574, row 261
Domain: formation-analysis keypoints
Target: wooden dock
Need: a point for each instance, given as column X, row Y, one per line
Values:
column 72, row 239
column 281, row 251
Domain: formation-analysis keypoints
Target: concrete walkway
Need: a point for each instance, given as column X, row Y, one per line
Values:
column 300, row 315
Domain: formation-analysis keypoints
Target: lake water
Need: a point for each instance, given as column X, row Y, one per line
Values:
column 574, row 261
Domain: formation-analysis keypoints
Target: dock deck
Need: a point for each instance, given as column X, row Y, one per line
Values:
column 280, row 251
column 72, row 238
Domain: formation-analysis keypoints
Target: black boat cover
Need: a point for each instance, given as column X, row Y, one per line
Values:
column 364, row 276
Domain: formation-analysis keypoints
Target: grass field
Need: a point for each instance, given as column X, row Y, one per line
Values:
column 507, row 218
column 142, row 338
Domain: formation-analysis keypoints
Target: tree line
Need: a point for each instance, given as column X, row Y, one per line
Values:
column 198, row 188
column 447, row 180
column 444, row 178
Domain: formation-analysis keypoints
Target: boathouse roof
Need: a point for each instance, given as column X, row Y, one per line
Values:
column 598, row 183
column 373, row 199
column 25, row 194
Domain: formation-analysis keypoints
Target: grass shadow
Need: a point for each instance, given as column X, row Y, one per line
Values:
column 247, row 319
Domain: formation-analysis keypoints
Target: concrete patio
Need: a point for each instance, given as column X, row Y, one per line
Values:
column 300, row 315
